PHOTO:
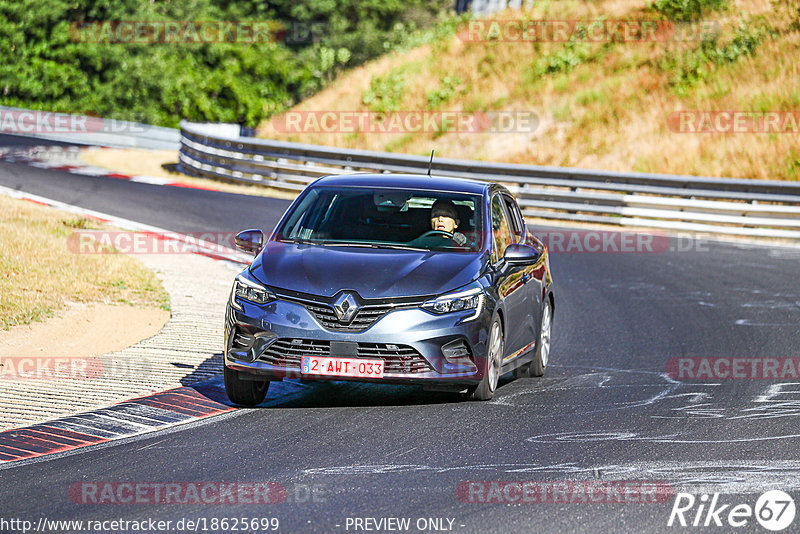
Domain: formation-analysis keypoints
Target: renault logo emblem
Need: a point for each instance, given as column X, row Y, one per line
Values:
column 345, row 307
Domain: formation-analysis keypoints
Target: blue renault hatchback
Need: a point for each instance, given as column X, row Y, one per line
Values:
column 391, row 278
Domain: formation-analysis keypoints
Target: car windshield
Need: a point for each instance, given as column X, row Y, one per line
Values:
column 385, row 218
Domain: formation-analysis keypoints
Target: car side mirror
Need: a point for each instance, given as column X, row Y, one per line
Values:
column 518, row 253
column 250, row 240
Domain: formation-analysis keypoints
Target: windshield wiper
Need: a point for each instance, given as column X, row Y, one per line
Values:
column 400, row 247
column 297, row 241
column 345, row 244
column 372, row 245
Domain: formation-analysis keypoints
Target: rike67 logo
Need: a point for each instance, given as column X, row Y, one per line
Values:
column 774, row 510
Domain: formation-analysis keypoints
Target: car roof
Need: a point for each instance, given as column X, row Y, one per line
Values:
column 406, row 181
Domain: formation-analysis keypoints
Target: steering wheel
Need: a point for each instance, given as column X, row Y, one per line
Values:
column 442, row 233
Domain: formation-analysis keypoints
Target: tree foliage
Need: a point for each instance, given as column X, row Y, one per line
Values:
column 47, row 67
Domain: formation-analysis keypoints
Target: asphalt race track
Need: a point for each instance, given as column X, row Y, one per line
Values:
column 606, row 411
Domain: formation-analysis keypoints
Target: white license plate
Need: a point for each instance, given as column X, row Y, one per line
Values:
column 355, row 367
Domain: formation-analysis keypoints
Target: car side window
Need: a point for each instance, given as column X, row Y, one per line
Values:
column 500, row 229
column 517, row 222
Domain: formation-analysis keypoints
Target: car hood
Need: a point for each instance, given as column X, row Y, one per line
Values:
column 372, row 273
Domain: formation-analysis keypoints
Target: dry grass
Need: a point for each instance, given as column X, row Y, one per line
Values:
column 610, row 111
column 39, row 274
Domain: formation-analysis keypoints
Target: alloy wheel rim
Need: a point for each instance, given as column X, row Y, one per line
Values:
column 545, row 335
column 495, row 345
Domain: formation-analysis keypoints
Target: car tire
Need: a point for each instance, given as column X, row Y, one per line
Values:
column 244, row 392
column 539, row 364
column 494, row 363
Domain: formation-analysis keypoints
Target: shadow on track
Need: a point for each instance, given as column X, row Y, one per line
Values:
column 295, row 393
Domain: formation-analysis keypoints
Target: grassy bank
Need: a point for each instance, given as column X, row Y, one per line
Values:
column 39, row 274
column 601, row 104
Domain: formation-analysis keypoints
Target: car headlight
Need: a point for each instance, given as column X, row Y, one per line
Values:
column 246, row 289
column 471, row 299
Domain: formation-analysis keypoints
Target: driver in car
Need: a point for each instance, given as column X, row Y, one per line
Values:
column 444, row 218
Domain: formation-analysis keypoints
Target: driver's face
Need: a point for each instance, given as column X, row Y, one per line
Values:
column 443, row 220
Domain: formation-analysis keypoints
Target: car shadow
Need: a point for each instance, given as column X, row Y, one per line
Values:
column 296, row 393
column 210, row 368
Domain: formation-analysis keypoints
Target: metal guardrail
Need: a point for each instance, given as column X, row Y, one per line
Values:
column 87, row 130
column 758, row 208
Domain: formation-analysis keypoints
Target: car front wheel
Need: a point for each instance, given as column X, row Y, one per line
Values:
column 494, row 363
column 244, row 392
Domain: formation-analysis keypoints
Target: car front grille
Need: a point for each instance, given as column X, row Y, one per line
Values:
column 371, row 309
column 287, row 353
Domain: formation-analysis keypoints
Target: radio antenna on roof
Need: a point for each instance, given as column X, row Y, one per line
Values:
column 430, row 163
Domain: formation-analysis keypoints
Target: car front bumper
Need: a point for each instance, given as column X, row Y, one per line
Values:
column 256, row 335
